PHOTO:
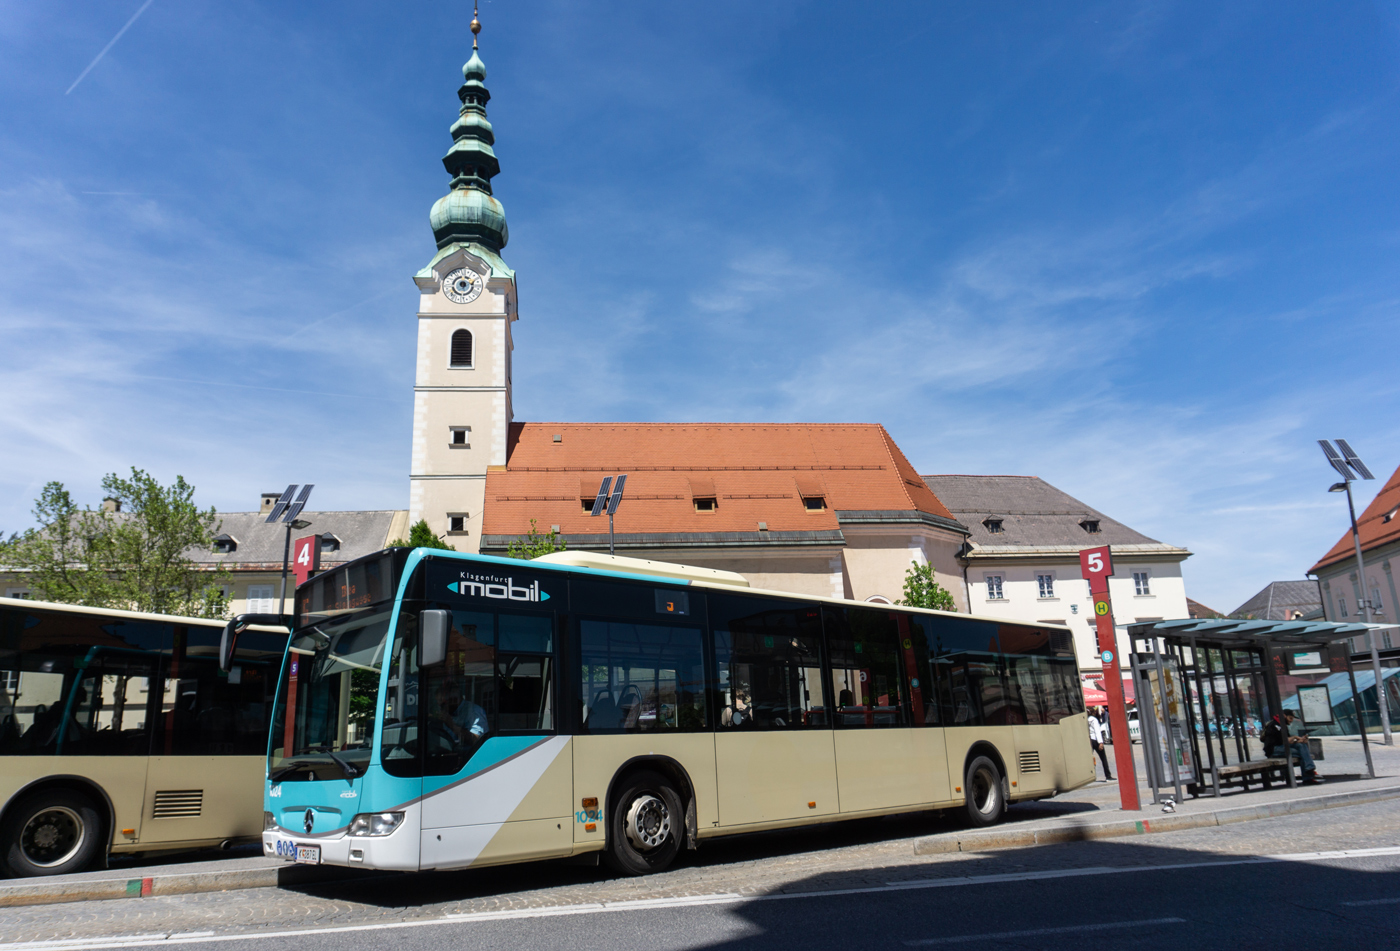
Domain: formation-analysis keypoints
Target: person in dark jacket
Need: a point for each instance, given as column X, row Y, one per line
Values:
column 1277, row 738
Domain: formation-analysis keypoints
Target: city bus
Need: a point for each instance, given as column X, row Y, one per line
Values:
column 119, row 733
column 440, row 710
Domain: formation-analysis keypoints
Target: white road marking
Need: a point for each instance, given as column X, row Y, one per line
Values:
column 1038, row 932
column 1373, row 901
column 643, row 904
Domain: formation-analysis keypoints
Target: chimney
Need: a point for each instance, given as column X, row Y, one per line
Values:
column 111, row 505
column 269, row 499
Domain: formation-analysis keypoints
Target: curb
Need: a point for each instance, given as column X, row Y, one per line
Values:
column 1171, row 822
column 177, row 883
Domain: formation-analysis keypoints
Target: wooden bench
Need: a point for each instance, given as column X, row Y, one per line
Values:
column 1267, row 769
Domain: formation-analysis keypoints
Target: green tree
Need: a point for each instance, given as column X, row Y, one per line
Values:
column 535, row 544
column 922, row 591
column 135, row 558
column 421, row 536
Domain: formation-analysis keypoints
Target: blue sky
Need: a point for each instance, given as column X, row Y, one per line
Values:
column 1144, row 251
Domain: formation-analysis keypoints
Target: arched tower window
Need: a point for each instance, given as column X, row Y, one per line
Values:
column 461, row 348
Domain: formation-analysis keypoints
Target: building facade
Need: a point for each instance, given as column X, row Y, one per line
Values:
column 1342, row 589
column 1021, row 560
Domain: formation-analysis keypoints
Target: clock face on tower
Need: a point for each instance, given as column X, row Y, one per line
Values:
column 463, row 285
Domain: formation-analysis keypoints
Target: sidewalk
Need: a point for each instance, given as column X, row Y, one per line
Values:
column 1095, row 811
column 1088, row 813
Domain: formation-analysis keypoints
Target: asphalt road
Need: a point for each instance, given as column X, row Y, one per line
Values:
column 1321, row 880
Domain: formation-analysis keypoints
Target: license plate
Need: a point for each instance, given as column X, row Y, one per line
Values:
column 309, row 854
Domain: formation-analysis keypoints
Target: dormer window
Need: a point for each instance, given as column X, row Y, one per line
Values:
column 706, row 504
column 1090, row 525
column 993, row 525
column 1389, row 515
column 814, row 503
column 329, row 543
column 225, row 544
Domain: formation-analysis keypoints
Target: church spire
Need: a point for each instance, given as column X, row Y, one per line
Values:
column 469, row 213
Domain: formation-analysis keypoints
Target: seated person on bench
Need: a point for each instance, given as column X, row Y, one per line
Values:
column 1274, row 737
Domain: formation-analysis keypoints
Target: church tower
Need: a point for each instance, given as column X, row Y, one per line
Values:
column 462, row 388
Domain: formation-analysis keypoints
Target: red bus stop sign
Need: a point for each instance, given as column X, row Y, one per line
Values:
column 306, row 557
column 1096, row 565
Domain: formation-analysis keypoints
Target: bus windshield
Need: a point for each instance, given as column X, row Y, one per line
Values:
column 331, row 683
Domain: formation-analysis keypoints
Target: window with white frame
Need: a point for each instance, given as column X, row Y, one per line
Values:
column 456, row 523
column 1045, row 584
column 994, row 590
column 1142, row 585
column 1342, row 607
column 1376, row 606
column 460, row 437
column 22, row 593
column 260, row 599
column 9, row 683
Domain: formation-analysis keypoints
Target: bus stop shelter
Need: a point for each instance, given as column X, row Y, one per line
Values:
column 1210, row 686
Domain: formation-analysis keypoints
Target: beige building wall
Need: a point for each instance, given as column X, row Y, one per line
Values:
column 447, row 480
column 1070, row 603
column 876, row 561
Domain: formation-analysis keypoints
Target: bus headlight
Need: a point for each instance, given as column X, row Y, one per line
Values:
column 269, row 823
column 375, row 823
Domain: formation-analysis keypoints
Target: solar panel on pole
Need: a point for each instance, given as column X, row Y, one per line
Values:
column 1337, row 462
column 300, row 503
column 600, row 504
column 282, row 502
column 1354, row 460
column 616, row 499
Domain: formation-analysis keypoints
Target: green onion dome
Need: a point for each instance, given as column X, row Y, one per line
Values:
column 469, row 212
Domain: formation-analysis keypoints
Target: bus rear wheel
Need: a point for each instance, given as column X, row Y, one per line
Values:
column 647, row 819
column 51, row 833
column 986, row 797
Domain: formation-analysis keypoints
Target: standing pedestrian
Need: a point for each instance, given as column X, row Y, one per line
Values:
column 1096, row 738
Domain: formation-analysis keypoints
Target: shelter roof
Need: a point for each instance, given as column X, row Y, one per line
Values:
column 754, row 472
column 1378, row 525
column 1238, row 634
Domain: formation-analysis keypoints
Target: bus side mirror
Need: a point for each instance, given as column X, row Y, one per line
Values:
column 228, row 643
column 433, row 626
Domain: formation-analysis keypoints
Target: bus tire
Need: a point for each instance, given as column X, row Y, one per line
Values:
column 647, row 824
column 985, row 795
column 52, row 832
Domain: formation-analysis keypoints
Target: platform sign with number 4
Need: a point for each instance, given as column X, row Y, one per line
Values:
column 306, row 557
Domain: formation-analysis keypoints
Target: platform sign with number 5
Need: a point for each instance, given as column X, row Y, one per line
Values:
column 1096, row 565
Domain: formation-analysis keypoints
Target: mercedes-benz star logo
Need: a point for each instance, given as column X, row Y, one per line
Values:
column 309, row 820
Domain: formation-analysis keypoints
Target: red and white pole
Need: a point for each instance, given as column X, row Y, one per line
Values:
column 1096, row 565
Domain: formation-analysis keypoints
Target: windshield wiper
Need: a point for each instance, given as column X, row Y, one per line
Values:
column 351, row 770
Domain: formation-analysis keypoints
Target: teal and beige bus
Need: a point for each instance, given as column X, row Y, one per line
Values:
column 439, row 710
column 120, row 733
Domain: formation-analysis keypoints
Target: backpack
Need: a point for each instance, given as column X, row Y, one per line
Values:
column 1273, row 736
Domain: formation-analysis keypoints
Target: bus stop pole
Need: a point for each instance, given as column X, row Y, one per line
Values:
column 1096, row 566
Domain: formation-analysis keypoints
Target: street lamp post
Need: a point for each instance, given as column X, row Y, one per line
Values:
column 1381, row 706
column 1346, row 463
column 298, row 524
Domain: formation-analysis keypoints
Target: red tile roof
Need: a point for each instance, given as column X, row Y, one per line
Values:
column 1379, row 525
column 755, row 472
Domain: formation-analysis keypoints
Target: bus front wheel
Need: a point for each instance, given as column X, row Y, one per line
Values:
column 647, row 819
column 986, row 798
column 52, row 832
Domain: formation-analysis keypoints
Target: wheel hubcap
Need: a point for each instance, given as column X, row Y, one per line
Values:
column 648, row 822
column 983, row 792
column 52, row 836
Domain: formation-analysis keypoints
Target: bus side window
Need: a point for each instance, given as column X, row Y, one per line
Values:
column 769, row 663
column 967, row 662
column 637, row 678
column 865, row 667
